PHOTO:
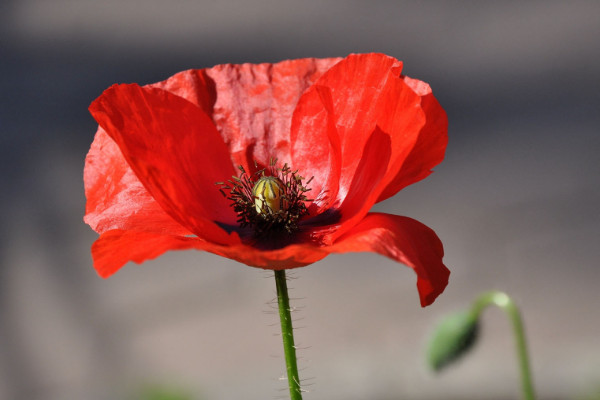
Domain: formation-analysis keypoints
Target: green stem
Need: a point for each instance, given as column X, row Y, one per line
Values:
column 502, row 300
column 287, row 333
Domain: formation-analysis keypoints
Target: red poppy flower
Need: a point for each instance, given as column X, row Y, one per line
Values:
column 356, row 125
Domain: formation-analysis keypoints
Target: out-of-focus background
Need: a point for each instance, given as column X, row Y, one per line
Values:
column 515, row 203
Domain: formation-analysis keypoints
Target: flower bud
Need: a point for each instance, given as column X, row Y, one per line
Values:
column 269, row 195
column 453, row 337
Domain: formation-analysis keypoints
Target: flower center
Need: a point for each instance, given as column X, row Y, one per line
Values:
column 271, row 201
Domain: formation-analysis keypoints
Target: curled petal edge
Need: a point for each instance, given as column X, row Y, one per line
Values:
column 404, row 240
column 430, row 147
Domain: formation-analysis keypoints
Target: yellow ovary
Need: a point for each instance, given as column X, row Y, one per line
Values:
column 268, row 195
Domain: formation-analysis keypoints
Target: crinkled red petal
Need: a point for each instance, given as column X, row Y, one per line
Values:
column 194, row 85
column 377, row 118
column 367, row 93
column 430, row 147
column 254, row 106
column 174, row 150
column 116, row 199
column 404, row 240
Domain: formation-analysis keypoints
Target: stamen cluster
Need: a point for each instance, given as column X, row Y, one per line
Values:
column 249, row 199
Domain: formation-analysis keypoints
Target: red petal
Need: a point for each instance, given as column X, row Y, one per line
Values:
column 373, row 109
column 317, row 154
column 431, row 144
column 194, row 85
column 292, row 256
column 175, row 151
column 117, row 247
column 255, row 103
column 362, row 193
column 116, row 199
column 404, row 240
column 367, row 93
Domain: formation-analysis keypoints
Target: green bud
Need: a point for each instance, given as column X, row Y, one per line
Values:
column 454, row 336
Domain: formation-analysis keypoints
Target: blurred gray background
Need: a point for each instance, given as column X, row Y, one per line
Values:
column 515, row 203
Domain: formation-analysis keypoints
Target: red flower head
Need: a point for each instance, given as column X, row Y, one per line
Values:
column 358, row 127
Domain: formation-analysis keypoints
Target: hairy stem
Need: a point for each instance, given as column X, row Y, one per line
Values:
column 287, row 333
